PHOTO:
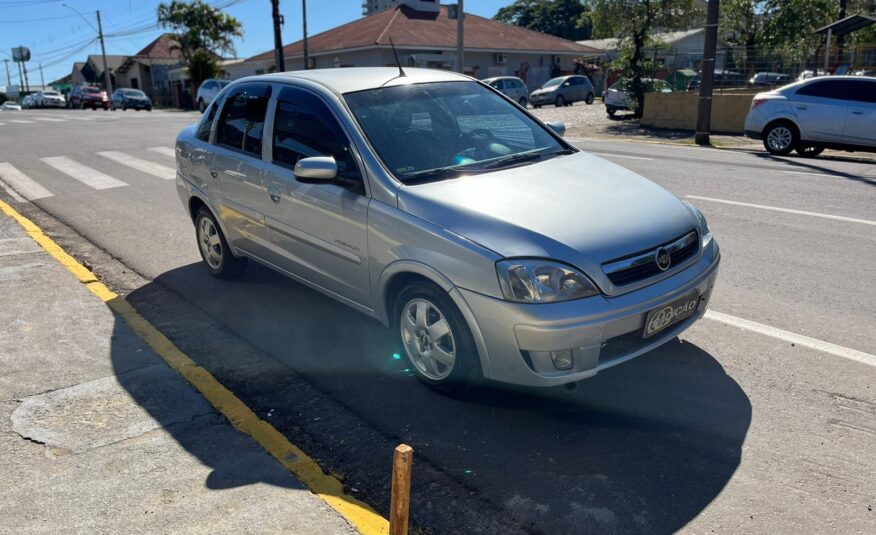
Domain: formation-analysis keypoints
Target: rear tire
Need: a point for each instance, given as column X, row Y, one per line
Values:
column 780, row 138
column 610, row 111
column 217, row 256
column 201, row 106
column 589, row 99
column 437, row 342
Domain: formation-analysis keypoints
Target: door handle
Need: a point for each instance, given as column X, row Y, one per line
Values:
column 801, row 106
column 274, row 194
column 858, row 112
column 213, row 172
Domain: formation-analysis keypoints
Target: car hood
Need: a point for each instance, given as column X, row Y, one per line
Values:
column 578, row 209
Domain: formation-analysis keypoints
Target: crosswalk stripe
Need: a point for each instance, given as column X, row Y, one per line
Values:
column 49, row 119
column 19, row 121
column 154, row 169
column 167, row 151
column 22, row 183
column 83, row 173
column 76, row 118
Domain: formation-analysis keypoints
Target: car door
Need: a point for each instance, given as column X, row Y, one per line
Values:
column 820, row 108
column 238, row 168
column 319, row 230
column 860, row 128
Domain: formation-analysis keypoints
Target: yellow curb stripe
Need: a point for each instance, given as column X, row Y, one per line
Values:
column 365, row 519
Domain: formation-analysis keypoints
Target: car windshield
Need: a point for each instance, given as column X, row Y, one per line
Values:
column 50, row 93
column 133, row 93
column 90, row 90
column 553, row 82
column 432, row 131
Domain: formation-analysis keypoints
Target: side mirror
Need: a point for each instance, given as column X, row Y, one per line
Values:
column 558, row 127
column 316, row 169
column 567, row 84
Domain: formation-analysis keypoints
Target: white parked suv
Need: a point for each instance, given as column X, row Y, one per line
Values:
column 836, row 112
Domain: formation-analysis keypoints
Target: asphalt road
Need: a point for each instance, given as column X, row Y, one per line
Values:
column 736, row 426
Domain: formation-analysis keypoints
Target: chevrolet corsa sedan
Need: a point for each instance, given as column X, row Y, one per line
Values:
column 434, row 204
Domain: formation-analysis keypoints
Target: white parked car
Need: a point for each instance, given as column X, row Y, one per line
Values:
column 50, row 99
column 617, row 97
column 207, row 92
column 836, row 112
column 9, row 106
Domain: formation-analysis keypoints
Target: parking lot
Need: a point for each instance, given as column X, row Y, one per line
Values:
column 760, row 418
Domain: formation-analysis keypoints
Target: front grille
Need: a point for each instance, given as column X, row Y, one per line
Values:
column 642, row 265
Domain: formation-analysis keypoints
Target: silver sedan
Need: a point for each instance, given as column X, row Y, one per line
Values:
column 430, row 202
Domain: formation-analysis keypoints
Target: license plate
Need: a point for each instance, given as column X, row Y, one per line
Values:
column 670, row 314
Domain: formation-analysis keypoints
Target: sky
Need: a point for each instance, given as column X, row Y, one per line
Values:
column 57, row 36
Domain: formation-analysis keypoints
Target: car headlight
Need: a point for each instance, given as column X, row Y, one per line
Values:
column 705, row 231
column 542, row 281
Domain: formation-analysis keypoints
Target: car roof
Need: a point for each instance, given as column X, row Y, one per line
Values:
column 351, row 79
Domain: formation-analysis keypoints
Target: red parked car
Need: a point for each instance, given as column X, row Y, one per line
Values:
column 88, row 96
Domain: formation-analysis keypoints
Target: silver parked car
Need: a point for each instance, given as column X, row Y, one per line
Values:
column 207, row 91
column 563, row 91
column 510, row 86
column 837, row 112
column 427, row 201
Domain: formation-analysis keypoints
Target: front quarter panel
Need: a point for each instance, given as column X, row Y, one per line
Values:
column 402, row 243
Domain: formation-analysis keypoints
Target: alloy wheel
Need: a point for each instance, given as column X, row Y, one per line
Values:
column 428, row 339
column 780, row 138
column 211, row 245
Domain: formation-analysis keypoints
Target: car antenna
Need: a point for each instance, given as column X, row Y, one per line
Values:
column 401, row 72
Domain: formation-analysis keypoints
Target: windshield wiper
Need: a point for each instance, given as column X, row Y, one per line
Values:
column 435, row 174
column 523, row 157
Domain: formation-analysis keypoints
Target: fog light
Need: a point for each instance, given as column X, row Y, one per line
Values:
column 563, row 360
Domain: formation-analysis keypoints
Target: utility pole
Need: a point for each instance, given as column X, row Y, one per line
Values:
column 107, row 80
column 8, row 78
column 304, row 19
column 704, row 111
column 278, row 39
column 460, row 37
column 42, row 80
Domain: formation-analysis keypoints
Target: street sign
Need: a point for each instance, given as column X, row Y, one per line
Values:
column 20, row 54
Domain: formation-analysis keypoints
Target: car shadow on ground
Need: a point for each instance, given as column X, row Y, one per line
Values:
column 810, row 165
column 640, row 448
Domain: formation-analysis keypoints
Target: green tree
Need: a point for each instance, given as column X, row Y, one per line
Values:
column 634, row 22
column 569, row 19
column 202, row 33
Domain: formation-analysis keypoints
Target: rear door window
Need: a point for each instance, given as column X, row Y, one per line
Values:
column 202, row 132
column 833, row 89
column 243, row 119
column 862, row 91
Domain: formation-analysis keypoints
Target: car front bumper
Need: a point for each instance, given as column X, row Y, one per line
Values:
column 516, row 339
column 543, row 98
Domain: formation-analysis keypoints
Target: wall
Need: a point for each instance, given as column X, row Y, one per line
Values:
column 679, row 110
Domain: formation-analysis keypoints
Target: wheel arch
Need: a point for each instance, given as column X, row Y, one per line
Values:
column 398, row 275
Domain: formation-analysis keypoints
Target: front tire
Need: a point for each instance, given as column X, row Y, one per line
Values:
column 559, row 101
column 522, row 102
column 589, row 99
column 215, row 253
column 610, row 111
column 780, row 138
column 436, row 339
column 202, row 107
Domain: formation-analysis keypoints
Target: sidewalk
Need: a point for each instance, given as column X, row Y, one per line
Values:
column 99, row 435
